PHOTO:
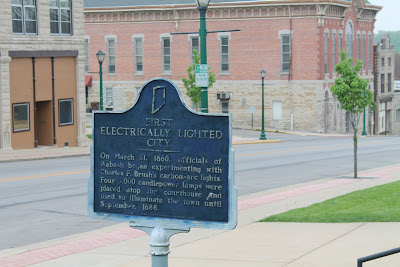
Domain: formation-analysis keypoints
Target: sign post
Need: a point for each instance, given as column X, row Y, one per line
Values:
column 201, row 75
column 162, row 167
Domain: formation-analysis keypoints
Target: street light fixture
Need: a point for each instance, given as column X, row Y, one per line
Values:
column 100, row 58
column 262, row 136
column 202, row 6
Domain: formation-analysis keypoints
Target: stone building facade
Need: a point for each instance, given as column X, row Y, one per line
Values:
column 296, row 42
column 42, row 59
column 386, row 97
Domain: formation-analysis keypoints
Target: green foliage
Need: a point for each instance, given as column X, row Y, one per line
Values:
column 394, row 38
column 349, row 88
column 377, row 204
column 191, row 90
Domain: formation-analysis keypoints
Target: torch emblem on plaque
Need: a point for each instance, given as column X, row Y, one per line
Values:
column 159, row 93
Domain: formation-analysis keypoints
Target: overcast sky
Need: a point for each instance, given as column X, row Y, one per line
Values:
column 388, row 18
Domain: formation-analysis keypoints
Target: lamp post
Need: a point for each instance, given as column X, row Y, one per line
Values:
column 202, row 6
column 100, row 58
column 364, row 132
column 262, row 136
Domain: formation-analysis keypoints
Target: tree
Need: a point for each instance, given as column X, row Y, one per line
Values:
column 191, row 90
column 351, row 91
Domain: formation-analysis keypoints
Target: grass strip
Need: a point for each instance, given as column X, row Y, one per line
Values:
column 376, row 204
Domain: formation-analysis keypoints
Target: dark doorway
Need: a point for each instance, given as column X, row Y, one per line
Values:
column 44, row 122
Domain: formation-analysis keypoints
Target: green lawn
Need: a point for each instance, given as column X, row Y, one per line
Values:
column 377, row 204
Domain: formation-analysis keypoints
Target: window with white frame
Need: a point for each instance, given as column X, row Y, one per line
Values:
column 285, row 52
column 326, row 53
column 369, row 52
column 333, row 51
column 349, row 39
column 60, row 16
column 86, row 55
column 277, row 110
column 194, row 45
column 111, row 56
column 65, row 111
column 363, row 51
column 224, row 48
column 166, row 54
column 358, row 46
column 21, row 117
column 24, row 16
column 109, row 97
column 138, row 50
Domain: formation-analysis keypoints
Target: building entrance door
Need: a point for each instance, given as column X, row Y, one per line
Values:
column 44, row 123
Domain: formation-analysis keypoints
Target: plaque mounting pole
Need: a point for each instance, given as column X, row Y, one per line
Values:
column 159, row 242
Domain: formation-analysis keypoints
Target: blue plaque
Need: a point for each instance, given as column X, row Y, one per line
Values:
column 162, row 163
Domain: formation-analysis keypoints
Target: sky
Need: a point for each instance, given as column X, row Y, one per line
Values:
column 388, row 18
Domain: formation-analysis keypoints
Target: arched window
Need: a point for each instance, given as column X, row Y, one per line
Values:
column 349, row 39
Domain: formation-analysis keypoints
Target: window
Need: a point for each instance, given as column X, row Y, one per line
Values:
column 382, row 62
column 389, row 61
column 285, row 52
column 326, row 52
column 358, row 46
column 340, row 44
column 194, row 45
column 166, row 54
column 369, row 52
column 349, row 39
column 109, row 97
column 277, row 110
column 225, row 106
column 333, row 51
column 138, row 50
column 87, row 55
column 110, row 55
column 21, row 117
column 60, row 17
column 65, row 111
column 24, row 16
column 397, row 115
column 225, row 54
column 389, row 84
column 363, row 50
column 382, row 83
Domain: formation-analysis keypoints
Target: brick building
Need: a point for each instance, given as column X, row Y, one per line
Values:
column 296, row 42
column 41, row 74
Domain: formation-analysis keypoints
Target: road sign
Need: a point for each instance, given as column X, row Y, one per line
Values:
column 201, row 75
column 252, row 110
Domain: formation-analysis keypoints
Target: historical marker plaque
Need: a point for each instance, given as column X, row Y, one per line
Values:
column 160, row 162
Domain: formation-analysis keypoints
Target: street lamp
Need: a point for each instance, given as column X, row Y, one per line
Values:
column 100, row 58
column 262, row 136
column 364, row 132
column 202, row 6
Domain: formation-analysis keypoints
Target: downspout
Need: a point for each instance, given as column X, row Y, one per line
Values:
column 34, row 101
column 53, row 100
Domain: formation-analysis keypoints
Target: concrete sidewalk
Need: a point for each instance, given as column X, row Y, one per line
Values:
column 250, row 244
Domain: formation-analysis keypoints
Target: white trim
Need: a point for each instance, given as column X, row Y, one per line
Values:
column 87, row 37
column 190, row 36
column 137, row 36
column 165, row 35
column 285, row 32
column 110, row 36
column 223, row 34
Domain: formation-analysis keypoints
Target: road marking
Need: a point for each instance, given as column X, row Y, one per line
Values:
column 41, row 176
column 302, row 149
